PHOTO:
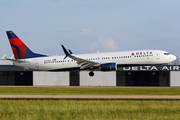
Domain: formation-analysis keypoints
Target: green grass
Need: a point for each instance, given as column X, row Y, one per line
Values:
column 90, row 110
column 89, row 90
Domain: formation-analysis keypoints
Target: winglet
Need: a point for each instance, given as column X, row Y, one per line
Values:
column 70, row 51
column 67, row 53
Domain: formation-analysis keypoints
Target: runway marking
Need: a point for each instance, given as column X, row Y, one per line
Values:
column 89, row 97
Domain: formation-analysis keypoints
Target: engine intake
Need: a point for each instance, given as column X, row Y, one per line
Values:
column 108, row 66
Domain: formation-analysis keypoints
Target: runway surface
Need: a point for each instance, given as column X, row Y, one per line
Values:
column 88, row 97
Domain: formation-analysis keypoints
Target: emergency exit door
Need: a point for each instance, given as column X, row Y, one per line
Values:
column 157, row 55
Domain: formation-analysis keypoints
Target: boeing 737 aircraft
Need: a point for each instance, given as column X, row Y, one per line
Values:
column 24, row 57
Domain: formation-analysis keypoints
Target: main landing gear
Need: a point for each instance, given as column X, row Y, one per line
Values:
column 91, row 73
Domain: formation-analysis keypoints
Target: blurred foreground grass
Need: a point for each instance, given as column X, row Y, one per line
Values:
column 89, row 91
column 77, row 110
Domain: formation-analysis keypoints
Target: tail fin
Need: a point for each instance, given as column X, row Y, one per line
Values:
column 20, row 50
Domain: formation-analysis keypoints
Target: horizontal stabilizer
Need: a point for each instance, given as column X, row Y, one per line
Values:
column 4, row 56
column 14, row 60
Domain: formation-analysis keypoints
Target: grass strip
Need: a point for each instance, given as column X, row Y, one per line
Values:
column 89, row 110
column 89, row 91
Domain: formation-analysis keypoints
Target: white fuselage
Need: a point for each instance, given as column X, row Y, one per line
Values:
column 139, row 57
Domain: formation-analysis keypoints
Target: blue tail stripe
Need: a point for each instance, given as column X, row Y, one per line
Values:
column 10, row 34
column 30, row 54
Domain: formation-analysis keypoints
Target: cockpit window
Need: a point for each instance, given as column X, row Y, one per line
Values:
column 166, row 53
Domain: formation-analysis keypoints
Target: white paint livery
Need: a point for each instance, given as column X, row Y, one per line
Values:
column 120, row 58
column 102, row 61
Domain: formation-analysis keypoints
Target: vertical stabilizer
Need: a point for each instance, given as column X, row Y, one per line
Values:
column 20, row 50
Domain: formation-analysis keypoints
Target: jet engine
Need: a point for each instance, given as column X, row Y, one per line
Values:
column 108, row 67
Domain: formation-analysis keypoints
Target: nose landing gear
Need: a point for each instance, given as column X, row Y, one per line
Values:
column 91, row 73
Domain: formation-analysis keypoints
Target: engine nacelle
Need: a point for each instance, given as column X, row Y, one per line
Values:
column 108, row 66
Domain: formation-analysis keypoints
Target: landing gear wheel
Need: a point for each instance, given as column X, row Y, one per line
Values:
column 91, row 73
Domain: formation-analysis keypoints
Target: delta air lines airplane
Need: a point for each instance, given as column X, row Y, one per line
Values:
column 24, row 57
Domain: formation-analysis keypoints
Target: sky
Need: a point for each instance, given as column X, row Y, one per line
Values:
column 88, row 26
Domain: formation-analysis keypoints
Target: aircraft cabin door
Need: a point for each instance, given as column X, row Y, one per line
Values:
column 157, row 55
column 37, row 64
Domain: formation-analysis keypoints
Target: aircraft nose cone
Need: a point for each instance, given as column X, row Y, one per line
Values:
column 174, row 57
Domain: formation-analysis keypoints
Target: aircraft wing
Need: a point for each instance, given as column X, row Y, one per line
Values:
column 80, row 61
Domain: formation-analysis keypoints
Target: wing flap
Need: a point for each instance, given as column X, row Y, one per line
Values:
column 85, row 66
column 84, row 63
